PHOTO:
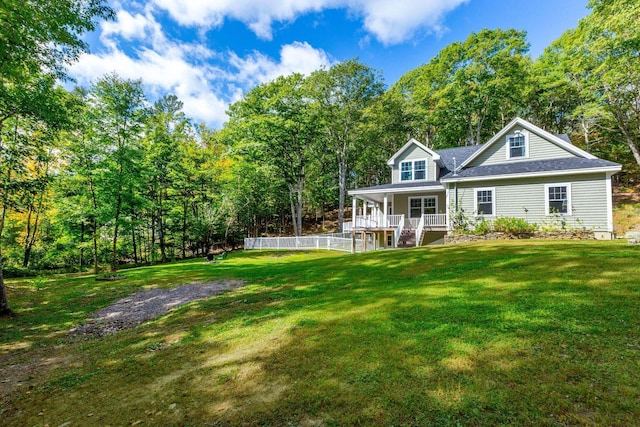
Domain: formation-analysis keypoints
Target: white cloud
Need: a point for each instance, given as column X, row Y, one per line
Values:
column 204, row 80
column 391, row 22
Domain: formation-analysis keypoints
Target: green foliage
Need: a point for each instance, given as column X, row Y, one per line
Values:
column 514, row 226
column 482, row 227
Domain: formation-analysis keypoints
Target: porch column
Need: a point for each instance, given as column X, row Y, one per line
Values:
column 364, row 208
column 385, row 206
column 354, row 207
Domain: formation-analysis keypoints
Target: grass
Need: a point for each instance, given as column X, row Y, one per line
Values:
column 508, row 333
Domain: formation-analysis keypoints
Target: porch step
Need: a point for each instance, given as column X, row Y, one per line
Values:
column 407, row 239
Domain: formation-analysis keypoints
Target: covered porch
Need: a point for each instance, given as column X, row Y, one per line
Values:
column 405, row 212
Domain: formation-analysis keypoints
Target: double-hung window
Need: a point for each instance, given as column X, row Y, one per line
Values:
column 517, row 146
column 558, row 199
column 419, row 169
column 485, row 202
column 406, row 171
column 415, row 170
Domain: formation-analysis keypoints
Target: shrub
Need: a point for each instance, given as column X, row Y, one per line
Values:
column 515, row 226
column 482, row 227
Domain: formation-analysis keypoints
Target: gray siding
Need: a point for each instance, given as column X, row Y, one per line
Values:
column 588, row 199
column 414, row 153
column 401, row 202
column 539, row 149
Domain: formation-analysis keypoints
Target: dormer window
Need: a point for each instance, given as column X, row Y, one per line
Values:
column 415, row 170
column 420, row 169
column 517, row 146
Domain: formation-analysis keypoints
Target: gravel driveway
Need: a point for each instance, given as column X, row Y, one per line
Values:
column 137, row 308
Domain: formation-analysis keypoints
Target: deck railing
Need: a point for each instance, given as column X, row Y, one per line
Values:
column 435, row 220
column 372, row 222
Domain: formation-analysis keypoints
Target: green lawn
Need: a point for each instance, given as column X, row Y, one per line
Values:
column 508, row 333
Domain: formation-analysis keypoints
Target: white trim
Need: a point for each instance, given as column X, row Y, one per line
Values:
column 421, row 198
column 493, row 200
column 609, row 204
column 546, row 198
column 413, row 170
column 429, row 188
column 613, row 169
column 518, row 132
column 533, row 128
column 433, row 154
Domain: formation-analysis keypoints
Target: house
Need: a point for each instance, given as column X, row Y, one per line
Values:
column 523, row 172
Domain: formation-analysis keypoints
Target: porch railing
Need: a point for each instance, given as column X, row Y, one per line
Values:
column 419, row 230
column 435, row 220
column 372, row 221
column 397, row 233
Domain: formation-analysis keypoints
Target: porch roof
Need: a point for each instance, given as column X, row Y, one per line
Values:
column 376, row 193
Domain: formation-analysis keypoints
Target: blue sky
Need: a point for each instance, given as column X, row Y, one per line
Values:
column 210, row 52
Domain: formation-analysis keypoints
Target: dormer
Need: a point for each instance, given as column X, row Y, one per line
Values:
column 414, row 162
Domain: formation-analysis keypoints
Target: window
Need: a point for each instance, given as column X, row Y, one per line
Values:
column 413, row 170
column 430, row 206
column 420, row 169
column 517, row 146
column 558, row 197
column 422, row 205
column 406, row 171
column 415, row 208
column 485, row 201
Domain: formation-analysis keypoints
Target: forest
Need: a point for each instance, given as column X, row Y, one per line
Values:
column 101, row 177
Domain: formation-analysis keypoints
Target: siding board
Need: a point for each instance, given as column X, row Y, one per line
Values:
column 539, row 149
column 513, row 196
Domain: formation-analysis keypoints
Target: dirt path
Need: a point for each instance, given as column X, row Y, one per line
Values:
column 136, row 309
column 124, row 314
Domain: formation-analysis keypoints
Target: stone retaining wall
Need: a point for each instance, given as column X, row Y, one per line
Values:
column 552, row 235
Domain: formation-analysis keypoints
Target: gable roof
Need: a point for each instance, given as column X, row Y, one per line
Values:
column 409, row 143
column 564, row 165
column 535, row 129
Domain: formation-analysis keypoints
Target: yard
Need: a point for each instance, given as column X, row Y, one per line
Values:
column 517, row 332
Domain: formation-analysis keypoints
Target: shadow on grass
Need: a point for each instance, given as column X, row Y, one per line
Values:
column 478, row 334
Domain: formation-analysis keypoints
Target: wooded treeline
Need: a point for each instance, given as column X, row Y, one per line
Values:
column 100, row 176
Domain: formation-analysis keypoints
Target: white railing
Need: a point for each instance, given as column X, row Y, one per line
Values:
column 327, row 242
column 394, row 220
column 435, row 220
column 419, row 230
column 372, row 221
column 397, row 233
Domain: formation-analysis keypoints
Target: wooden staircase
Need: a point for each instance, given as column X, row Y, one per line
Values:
column 407, row 238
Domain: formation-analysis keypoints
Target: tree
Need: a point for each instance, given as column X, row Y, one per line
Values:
column 606, row 51
column 36, row 38
column 277, row 118
column 342, row 95
column 117, row 111
column 469, row 90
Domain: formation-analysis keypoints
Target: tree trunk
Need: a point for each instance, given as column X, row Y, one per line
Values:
column 294, row 222
column 185, row 206
column 163, row 253
column 31, row 232
column 133, row 236
column 342, row 184
column 4, row 302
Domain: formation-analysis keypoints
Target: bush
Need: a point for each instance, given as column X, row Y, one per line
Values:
column 482, row 227
column 515, row 226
